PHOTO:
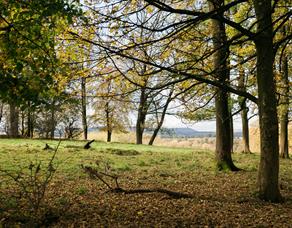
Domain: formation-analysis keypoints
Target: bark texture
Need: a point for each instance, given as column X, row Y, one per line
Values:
column 14, row 120
column 244, row 112
column 83, row 104
column 284, row 109
column 53, row 121
column 141, row 118
column 109, row 120
column 268, row 175
column 223, row 128
column 30, row 124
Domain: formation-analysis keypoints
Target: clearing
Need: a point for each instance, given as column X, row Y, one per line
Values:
column 73, row 199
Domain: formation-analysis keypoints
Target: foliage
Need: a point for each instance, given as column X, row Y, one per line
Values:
column 28, row 47
column 112, row 105
column 30, row 185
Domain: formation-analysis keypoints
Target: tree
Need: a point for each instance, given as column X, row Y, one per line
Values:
column 28, row 46
column 160, row 118
column 83, row 106
column 179, row 18
column 13, row 120
column 284, row 109
column 284, row 92
column 70, row 125
column 244, row 111
column 111, row 104
column 269, row 163
column 223, row 128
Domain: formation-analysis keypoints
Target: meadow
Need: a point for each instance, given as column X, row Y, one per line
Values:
column 36, row 190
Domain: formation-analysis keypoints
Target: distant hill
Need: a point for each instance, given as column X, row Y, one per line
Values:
column 189, row 133
column 184, row 132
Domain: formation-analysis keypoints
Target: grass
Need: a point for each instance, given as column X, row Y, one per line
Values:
column 19, row 152
column 77, row 198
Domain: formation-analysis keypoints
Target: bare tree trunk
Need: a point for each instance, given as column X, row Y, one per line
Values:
column 142, row 111
column 29, row 121
column 83, row 104
column 52, row 121
column 223, row 136
column 109, row 136
column 231, row 131
column 108, row 122
column 268, row 175
column 1, row 111
column 160, row 122
column 245, row 130
column 22, row 114
column 284, row 109
column 244, row 112
column 14, row 120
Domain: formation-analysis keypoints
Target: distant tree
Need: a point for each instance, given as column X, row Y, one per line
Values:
column 159, row 117
column 282, row 61
column 111, row 106
column 244, row 111
column 69, row 124
column 84, row 107
column 284, row 106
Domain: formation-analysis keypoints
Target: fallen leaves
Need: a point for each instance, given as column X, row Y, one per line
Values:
column 221, row 199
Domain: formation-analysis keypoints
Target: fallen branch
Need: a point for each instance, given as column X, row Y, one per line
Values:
column 94, row 173
column 172, row 194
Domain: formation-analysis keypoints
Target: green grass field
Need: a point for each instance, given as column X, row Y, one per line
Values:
column 220, row 198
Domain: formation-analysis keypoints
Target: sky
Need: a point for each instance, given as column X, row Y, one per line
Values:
column 174, row 122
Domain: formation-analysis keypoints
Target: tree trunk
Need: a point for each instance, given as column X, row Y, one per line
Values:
column 223, row 136
column 1, row 111
column 284, row 110
column 22, row 114
column 158, row 127
column 231, row 131
column 52, row 121
column 108, row 122
column 142, row 111
column 244, row 112
column 160, row 122
column 83, row 104
column 29, row 121
column 14, row 121
column 109, row 136
column 245, row 129
column 268, row 175
column 140, row 125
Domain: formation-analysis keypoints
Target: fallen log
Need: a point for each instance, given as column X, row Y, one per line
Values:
column 87, row 145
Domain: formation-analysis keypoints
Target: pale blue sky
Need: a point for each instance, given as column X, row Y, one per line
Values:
column 174, row 122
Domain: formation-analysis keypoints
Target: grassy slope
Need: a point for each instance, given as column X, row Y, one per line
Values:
column 220, row 198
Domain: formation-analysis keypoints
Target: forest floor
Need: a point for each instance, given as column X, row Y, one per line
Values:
column 73, row 199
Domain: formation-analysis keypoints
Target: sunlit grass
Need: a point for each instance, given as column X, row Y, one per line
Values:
column 121, row 157
column 16, row 153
